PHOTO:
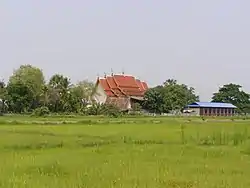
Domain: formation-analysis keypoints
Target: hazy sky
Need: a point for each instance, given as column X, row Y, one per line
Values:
column 203, row 43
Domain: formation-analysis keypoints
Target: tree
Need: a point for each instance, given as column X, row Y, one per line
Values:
column 154, row 100
column 31, row 76
column 19, row 97
column 177, row 96
column 170, row 96
column 45, row 95
column 26, row 80
column 59, row 82
column 58, row 90
column 233, row 93
column 72, row 102
column 79, row 96
column 83, row 90
column 3, row 91
column 170, row 82
column 86, row 87
column 3, row 94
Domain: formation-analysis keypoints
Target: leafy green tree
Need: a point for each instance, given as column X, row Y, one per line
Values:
column 58, row 90
column 59, row 82
column 170, row 82
column 44, row 97
column 80, row 95
column 62, row 96
column 72, row 102
column 31, row 76
column 2, row 90
column 86, row 89
column 24, row 88
column 154, row 100
column 20, row 97
column 177, row 96
column 170, row 96
column 3, row 95
column 233, row 93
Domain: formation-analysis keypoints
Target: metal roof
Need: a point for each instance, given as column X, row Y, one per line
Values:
column 212, row 105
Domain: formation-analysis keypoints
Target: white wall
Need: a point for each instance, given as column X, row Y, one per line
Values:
column 129, row 106
column 196, row 111
column 99, row 95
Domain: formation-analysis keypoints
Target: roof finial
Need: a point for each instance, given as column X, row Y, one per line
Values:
column 105, row 75
column 112, row 73
column 123, row 72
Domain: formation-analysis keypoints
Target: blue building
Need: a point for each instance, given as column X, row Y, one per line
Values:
column 211, row 109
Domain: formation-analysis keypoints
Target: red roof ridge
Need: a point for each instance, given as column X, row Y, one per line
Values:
column 109, row 86
column 118, row 86
column 123, row 74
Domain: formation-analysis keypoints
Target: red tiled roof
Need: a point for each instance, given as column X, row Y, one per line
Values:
column 145, row 85
column 140, row 84
column 122, row 85
column 125, row 81
column 113, row 86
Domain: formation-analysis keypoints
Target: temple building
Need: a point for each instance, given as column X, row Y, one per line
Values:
column 120, row 90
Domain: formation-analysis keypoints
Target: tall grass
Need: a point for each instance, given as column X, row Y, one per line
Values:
column 126, row 152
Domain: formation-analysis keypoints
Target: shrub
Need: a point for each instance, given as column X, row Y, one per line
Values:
column 203, row 118
column 136, row 107
column 111, row 111
column 103, row 109
column 42, row 111
column 95, row 109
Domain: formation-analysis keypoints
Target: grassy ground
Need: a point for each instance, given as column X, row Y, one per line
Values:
column 128, row 153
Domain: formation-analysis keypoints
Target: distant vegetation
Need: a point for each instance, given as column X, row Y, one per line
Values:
column 28, row 92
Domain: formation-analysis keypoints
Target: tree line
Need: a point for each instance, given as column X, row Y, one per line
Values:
column 172, row 96
column 28, row 92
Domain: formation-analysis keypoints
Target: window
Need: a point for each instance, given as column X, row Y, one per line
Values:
column 218, row 111
column 210, row 111
column 205, row 111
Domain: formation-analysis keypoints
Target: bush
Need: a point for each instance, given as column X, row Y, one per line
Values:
column 111, row 110
column 203, row 118
column 103, row 109
column 42, row 111
column 95, row 109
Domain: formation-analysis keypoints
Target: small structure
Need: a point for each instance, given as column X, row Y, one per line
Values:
column 120, row 90
column 211, row 109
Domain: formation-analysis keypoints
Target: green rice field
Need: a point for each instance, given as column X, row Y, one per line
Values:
column 142, row 152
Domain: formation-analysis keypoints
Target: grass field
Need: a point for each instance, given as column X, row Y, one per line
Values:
column 92, row 152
